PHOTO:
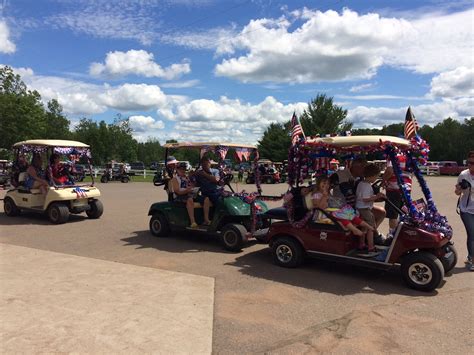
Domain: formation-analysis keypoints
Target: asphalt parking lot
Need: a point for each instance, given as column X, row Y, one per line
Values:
column 260, row 307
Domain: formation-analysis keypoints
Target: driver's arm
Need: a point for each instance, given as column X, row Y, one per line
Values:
column 207, row 176
column 387, row 174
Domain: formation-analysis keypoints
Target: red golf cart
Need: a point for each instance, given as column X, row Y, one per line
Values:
column 421, row 245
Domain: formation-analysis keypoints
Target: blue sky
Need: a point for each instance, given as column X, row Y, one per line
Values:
column 215, row 69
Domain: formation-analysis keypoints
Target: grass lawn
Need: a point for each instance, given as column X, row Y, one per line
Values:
column 148, row 178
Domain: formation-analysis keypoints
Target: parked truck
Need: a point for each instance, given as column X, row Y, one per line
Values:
column 450, row 168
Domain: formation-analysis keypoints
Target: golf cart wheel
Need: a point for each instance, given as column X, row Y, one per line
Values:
column 104, row 179
column 58, row 213
column 248, row 181
column 422, row 271
column 233, row 236
column 10, row 208
column 447, row 263
column 125, row 179
column 159, row 225
column 287, row 252
column 96, row 210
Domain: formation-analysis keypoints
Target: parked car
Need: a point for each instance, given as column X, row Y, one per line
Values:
column 450, row 168
column 135, row 166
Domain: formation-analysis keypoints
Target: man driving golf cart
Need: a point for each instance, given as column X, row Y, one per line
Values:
column 225, row 213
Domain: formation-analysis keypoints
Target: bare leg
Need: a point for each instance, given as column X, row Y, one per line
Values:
column 206, row 208
column 355, row 230
column 367, row 226
column 379, row 215
column 190, row 208
column 370, row 239
column 392, row 223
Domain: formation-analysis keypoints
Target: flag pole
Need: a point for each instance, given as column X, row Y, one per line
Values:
column 304, row 136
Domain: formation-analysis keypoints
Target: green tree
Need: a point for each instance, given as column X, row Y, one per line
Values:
column 324, row 117
column 56, row 125
column 275, row 142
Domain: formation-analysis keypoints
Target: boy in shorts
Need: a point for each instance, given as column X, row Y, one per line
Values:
column 365, row 198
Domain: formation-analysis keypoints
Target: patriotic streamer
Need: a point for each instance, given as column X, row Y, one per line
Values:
column 222, row 151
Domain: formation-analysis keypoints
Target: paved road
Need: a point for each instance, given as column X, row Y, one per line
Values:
column 260, row 307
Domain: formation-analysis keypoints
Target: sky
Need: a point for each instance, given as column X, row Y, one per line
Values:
column 223, row 70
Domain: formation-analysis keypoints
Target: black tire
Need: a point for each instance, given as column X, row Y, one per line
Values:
column 104, row 179
column 125, row 179
column 10, row 208
column 248, row 181
column 447, row 264
column 157, row 181
column 233, row 236
column 159, row 226
column 58, row 213
column 287, row 252
column 422, row 271
column 97, row 209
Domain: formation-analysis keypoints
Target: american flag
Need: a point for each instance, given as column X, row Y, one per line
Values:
column 410, row 124
column 80, row 193
column 296, row 129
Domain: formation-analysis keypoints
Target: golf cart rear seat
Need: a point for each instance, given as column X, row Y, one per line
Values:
column 21, row 184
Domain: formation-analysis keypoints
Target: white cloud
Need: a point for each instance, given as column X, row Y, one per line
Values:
column 181, row 84
column 145, row 124
column 380, row 97
column 362, row 87
column 312, row 46
column 134, row 97
column 136, row 62
column 431, row 114
column 437, row 43
column 6, row 45
column 454, row 83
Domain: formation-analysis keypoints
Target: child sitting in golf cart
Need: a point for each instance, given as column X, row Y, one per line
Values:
column 346, row 215
column 183, row 191
column 365, row 198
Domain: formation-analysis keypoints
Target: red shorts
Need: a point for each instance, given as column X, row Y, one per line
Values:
column 355, row 221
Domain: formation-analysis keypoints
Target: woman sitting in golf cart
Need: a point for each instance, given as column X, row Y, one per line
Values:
column 183, row 191
column 208, row 180
column 58, row 171
column 36, row 175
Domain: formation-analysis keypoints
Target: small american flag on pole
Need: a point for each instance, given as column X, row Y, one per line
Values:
column 410, row 124
column 296, row 129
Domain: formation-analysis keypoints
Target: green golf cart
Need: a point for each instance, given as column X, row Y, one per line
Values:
column 234, row 219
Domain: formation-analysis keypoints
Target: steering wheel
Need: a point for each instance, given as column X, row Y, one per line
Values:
column 227, row 178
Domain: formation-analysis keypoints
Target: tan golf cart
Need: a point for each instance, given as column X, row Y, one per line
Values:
column 60, row 200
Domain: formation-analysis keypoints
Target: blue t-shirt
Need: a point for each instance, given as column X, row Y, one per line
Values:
column 208, row 187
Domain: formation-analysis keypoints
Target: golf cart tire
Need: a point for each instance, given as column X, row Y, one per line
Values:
column 287, row 252
column 125, row 179
column 248, row 181
column 104, row 179
column 159, row 225
column 96, row 209
column 422, row 271
column 58, row 213
column 10, row 208
column 233, row 237
column 447, row 264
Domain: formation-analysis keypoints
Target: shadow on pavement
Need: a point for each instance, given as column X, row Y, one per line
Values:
column 178, row 242
column 325, row 276
column 32, row 218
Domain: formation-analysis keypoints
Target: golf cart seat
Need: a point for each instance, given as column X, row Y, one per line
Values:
column 278, row 213
column 21, row 184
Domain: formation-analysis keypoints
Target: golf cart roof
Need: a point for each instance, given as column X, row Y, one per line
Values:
column 51, row 143
column 357, row 141
column 207, row 144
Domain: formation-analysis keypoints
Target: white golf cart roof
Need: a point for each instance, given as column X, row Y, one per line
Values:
column 51, row 143
column 357, row 141
column 207, row 144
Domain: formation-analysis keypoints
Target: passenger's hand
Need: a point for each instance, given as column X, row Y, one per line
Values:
column 380, row 195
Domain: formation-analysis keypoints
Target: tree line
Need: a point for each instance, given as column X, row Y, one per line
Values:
column 24, row 116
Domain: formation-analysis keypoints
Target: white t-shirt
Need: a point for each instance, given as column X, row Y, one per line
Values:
column 464, row 205
column 364, row 190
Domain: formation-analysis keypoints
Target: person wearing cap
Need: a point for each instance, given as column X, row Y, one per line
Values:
column 208, row 180
column 183, row 191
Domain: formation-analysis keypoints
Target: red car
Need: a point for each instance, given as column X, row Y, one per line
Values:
column 423, row 251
